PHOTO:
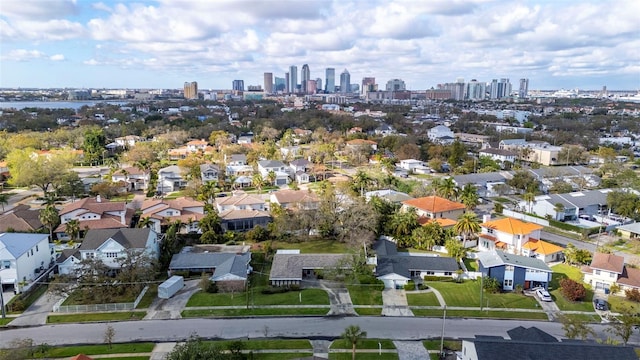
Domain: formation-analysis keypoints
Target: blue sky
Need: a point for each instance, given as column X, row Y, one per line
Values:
column 162, row 44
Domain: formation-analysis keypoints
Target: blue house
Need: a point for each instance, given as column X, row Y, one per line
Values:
column 511, row 270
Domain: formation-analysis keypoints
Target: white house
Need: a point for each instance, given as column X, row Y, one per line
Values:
column 171, row 178
column 499, row 155
column 295, row 199
column 93, row 213
column 415, row 166
column 23, row 257
column 209, row 172
column 507, row 234
column 197, row 145
column 128, row 141
column 110, row 246
column 279, row 169
column 165, row 212
column 441, row 134
column 134, row 178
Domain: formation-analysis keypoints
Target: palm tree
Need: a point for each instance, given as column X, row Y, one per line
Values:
column 558, row 208
column 447, row 189
column 4, row 200
column 257, row 181
column 423, row 238
column 271, row 176
column 353, row 334
column 467, row 225
column 455, row 249
column 530, row 198
column 402, row 224
column 361, row 181
column 469, row 196
column 145, row 222
column 50, row 218
column 73, row 229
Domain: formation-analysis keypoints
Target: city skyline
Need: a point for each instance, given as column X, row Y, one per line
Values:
column 162, row 44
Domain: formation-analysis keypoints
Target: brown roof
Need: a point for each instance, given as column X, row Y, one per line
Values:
column 91, row 204
column 107, row 223
column 21, row 218
column 240, row 198
column 179, row 203
column 434, row 204
column 242, row 214
column 630, row 277
column 295, row 196
column 131, row 170
column 81, row 357
column 608, row 262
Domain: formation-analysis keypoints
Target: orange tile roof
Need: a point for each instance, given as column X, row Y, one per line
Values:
column 489, row 237
column 197, row 142
column 501, row 245
column 512, row 226
column 444, row 222
column 434, row 204
column 542, row 247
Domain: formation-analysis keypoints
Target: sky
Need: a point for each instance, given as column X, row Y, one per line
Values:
column 568, row 44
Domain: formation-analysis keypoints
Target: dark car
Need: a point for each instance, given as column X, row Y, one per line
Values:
column 600, row 304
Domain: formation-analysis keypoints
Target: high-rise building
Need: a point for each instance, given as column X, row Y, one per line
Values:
column 330, row 83
column 287, row 83
column 268, row 83
column 305, row 76
column 476, row 90
column 280, row 84
column 319, row 84
column 345, row 82
column 396, row 85
column 500, row 89
column 238, row 85
column 523, row 91
column 457, row 89
column 311, row 87
column 191, row 90
column 368, row 84
column 293, row 79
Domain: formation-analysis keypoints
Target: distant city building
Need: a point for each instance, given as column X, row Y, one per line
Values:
column 293, row 78
column 457, row 89
column 345, row 82
column 438, row 94
column 287, row 82
column 191, row 90
column 305, row 76
column 280, row 84
column 311, row 87
column 238, row 85
column 396, row 85
column 523, row 91
column 476, row 90
column 330, row 83
column 368, row 84
column 254, row 88
column 319, row 84
column 501, row 89
column 79, row 95
column 268, row 83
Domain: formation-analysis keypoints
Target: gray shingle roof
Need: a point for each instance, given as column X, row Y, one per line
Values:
column 403, row 265
column 384, row 247
column 128, row 238
column 579, row 199
column 483, row 178
column 224, row 263
column 495, row 258
column 290, row 266
column 19, row 243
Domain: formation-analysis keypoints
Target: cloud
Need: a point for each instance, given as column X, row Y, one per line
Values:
column 38, row 9
column 23, row 55
column 56, row 57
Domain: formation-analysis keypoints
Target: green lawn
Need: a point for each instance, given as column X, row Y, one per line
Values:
column 481, row 314
column 471, row 264
column 363, row 356
column 618, row 303
column 257, row 312
column 75, row 298
column 271, row 344
column 314, row 246
column 365, row 295
column 88, row 317
column 467, row 294
column 448, row 344
column 255, row 297
column 280, row 356
column 423, row 299
column 68, row 351
column 369, row 311
column 5, row 321
column 363, row 344
column 585, row 317
column 148, row 297
column 27, row 300
column 562, row 271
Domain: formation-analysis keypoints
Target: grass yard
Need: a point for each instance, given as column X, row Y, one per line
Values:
column 68, row 351
column 562, row 271
column 5, row 321
column 88, row 317
column 256, row 312
column 448, row 344
column 363, row 356
column 75, row 298
column 314, row 246
column 365, row 295
column 309, row 297
column 423, row 299
column 280, row 356
column 619, row 303
column 363, row 344
column 585, row 317
column 471, row 264
column 148, row 297
column 498, row 314
column 368, row 311
column 27, row 300
column 271, row 344
column 467, row 294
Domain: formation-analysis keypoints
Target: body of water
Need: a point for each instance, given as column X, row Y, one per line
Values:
column 55, row 104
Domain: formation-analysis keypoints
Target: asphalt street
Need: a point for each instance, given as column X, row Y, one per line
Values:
column 394, row 328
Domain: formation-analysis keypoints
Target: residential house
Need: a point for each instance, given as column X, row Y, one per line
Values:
column 569, row 206
column 235, row 159
column 23, row 256
column 290, row 152
column 513, row 270
column 20, row 219
column 533, row 343
column 414, row 166
column 242, row 212
column 395, row 269
column 197, row 145
column 171, row 178
column 473, row 139
column 4, row 171
column 162, row 213
column 487, row 184
column 128, row 141
column 300, row 168
column 384, row 130
column 110, row 246
column 278, row 168
column 209, row 172
column 362, row 145
column 392, row 196
column 290, row 268
column 629, row 231
column 244, row 139
column 295, row 199
column 579, row 177
column 502, row 157
column 435, row 207
column 94, row 213
column 229, row 269
column 507, row 234
column 441, row 134
column 540, row 152
column 604, row 270
column 133, row 178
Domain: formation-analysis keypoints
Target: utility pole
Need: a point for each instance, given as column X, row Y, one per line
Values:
column 444, row 317
column 481, row 291
column 4, row 313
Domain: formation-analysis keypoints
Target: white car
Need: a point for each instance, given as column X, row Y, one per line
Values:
column 543, row 295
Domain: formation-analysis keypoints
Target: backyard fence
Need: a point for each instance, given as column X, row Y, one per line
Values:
column 525, row 217
column 58, row 307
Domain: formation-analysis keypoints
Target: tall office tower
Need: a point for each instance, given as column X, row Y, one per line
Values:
column 319, row 84
column 457, row 90
column 191, row 90
column 311, row 87
column 493, row 89
column 476, row 90
column 293, row 79
column 395, row 85
column 287, row 83
column 345, row 82
column 280, row 84
column 368, row 84
column 238, row 85
column 523, row 91
column 305, row 76
column 330, row 83
column 268, row 83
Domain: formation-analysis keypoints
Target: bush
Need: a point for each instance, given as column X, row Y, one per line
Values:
column 367, row 279
column 436, row 278
column 280, row 290
column 492, row 285
column 410, row 286
column 632, row 295
column 572, row 290
column 518, row 289
column 17, row 305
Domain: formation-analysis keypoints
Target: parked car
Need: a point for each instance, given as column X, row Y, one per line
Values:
column 543, row 295
column 600, row 304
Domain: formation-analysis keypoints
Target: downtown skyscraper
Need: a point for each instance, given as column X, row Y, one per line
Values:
column 191, row 90
column 345, row 82
column 305, row 76
column 523, row 91
column 293, row 79
column 330, row 82
column 268, row 82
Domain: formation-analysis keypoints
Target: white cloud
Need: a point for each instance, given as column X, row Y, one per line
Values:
column 23, row 55
column 56, row 57
column 38, row 9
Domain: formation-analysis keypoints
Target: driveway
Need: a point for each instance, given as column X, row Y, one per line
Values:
column 339, row 299
column 550, row 307
column 163, row 309
column 394, row 303
column 38, row 312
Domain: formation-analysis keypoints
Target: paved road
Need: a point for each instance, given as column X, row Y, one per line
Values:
column 564, row 241
column 395, row 328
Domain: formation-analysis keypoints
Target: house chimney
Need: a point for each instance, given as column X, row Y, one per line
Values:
column 486, row 217
column 98, row 199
